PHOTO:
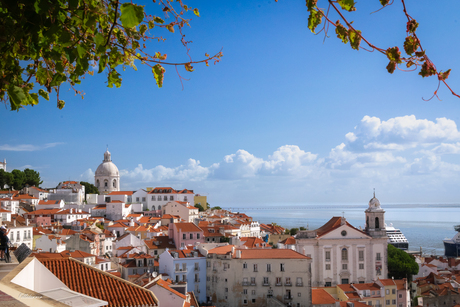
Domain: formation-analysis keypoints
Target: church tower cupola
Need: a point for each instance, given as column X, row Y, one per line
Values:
column 375, row 219
column 107, row 177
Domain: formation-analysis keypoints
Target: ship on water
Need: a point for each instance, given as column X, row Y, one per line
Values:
column 452, row 246
column 396, row 237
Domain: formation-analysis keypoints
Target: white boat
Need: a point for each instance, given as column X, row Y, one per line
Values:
column 396, row 237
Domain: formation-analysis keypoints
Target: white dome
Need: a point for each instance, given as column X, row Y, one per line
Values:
column 107, row 169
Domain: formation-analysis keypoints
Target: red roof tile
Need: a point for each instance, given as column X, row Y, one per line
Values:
column 96, row 283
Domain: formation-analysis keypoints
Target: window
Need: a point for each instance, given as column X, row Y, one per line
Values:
column 197, row 236
column 344, row 266
column 208, row 264
column 253, row 292
column 137, row 198
column 393, row 291
column 344, row 280
column 282, row 267
column 197, row 267
column 196, row 278
column 184, row 278
column 278, row 281
column 255, row 267
column 328, row 255
column 191, row 236
column 153, row 197
column 253, row 300
column 344, row 254
column 184, row 267
column 369, row 303
column 253, row 280
column 393, row 302
column 327, row 284
column 245, row 265
column 114, row 183
column 378, row 257
column 400, row 295
column 361, row 266
column 328, row 266
column 171, row 197
column 265, row 281
column 361, row 255
column 143, row 198
column 388, row 302
column 245, row 301
column 177, row 267
column 299, row 282
column 245, row 281
column 269, row 267
column 288, row 280
column 299, row 294
column 387, row 291
column 165, row 197
column 184, row 236
column 18, row 236
column 245, row 291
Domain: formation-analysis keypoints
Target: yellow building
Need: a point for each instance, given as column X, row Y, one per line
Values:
column 202, row 200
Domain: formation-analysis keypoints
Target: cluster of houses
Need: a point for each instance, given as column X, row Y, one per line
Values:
column 154, row 247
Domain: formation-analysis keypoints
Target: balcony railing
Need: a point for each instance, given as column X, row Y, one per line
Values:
column 266, row 284
column 288, row 297
column 245, row 283
column 181, row 270
column 279, row 284
column 197, row 268
column 299, row 284
column 288, row 284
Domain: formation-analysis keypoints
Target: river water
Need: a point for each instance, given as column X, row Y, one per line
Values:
column 425, row 226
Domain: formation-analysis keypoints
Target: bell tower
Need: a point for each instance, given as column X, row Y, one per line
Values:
column 375, row 219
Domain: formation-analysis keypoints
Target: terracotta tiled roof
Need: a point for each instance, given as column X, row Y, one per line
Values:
column 270, row 254
column 23, row 196
column 367, row 286
column 116, row 201
column 355, row 304
column 334, row 223
column 121, row 193
column 221, row 250
column 165, row 285
column 187, row 252
column 321, row 297
column 95, row 283
column 187, row 227
column 387, row 282
column 252, row 242
column 76, row 254
column 4, row 211
column 49, row 202
column 288, row 241
column 162, row 241
column 50, row 211
column 100, row 207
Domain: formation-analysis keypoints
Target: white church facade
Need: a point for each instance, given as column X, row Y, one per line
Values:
column 343, row 254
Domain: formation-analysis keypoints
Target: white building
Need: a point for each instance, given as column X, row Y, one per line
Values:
column 50, row 243
column 343, row 254
column 69, row 191
column 117, row 210
column 10, row 204
column 257, row 277
column 182, row 209
column 107, row 177
column 3, row 166
column 158, row 197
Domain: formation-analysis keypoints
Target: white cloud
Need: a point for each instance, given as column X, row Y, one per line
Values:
column 27, row 147
column 87, row 176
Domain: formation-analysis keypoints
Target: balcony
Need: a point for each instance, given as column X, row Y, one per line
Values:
column 288, row 297
column 253, row 283
column 299, row 284
column 266, row 284
column 197, row 269
column 279, row 284
column 288, row 284
column 181, row 270
column 245, row 283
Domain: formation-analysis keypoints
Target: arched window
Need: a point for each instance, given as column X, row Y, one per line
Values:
column 153, row 208
column 367, row 222
column 105, row 183
column 159, row 207
column 377, row 224
column 97, row 183
column 114, row 183
column 165, row 197
column 344, row 254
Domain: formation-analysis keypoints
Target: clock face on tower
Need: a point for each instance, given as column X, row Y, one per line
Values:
column 343, row 233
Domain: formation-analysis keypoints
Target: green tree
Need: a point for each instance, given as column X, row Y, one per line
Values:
column 216, row 208
column 18, row 179
column 340, row 10
column 5, row 179
column 45, row 44
column 89, row 188
column 302, row 228
column 293, row 231
column 32, row 178
column 200, row 207
column 400, row 264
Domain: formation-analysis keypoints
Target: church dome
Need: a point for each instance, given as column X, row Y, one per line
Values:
column 107, row 167
column 374, row 204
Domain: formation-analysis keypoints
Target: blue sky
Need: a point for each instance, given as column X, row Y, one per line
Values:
column 283, row 118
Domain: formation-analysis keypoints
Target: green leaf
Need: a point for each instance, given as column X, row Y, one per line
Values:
column 114, row 79
column 412, row 26
column 444, row 75
column 142, row 29
column 196, row 12
column 17, row 97
column 341, row 32
column 391, row 67
column 158, row 20
column 61, row 104
column 410, row 45
column 33, row 98
column 189, row 67
column 102, row 63
column 131, row 15
column 44, row 94
column 81, row 51
column 394, row 54
column 348, row 5
column 100, row 41
column 311, row 4
column 384, row 2
column 170, row 27
column 355, row 38
column 158, row 73
column 314, row 20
